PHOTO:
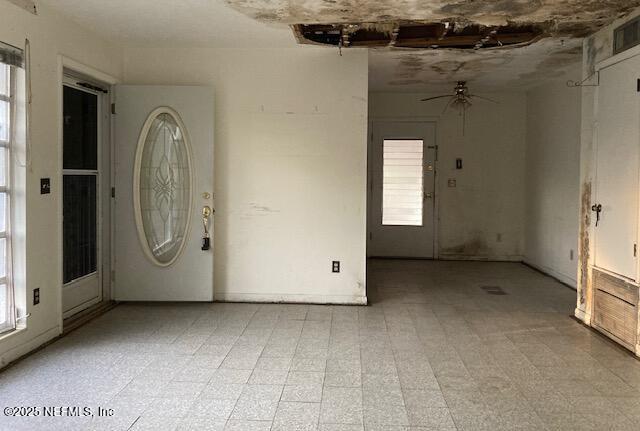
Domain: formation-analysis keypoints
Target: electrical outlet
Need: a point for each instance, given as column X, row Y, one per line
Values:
column 335, row 266
column 36, row 296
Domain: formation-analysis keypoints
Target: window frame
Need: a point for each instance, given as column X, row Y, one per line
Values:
column 10, row 323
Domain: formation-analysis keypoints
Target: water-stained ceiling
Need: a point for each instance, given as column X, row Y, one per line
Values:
column 555, row 45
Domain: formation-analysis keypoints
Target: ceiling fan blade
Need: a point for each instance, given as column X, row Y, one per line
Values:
column 448, row 105
column 436, row 97
column 483, row 98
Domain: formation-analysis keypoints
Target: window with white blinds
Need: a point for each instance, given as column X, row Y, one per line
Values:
column 402, row 183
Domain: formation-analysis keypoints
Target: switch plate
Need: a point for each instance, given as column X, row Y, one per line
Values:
column 335, row 266
column 36, row 296
column 451, row 182
column 45, row 186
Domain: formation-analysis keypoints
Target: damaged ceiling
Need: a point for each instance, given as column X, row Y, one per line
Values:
column 546, row 34
column 492, row 42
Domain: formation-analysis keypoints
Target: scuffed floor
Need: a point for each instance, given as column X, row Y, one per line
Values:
column 435, row 351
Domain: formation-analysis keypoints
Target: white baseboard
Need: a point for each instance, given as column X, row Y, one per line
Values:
column 28, row 346
column 555, row 274
column 291, row 298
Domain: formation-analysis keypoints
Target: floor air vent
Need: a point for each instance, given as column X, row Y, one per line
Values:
column 493, row 290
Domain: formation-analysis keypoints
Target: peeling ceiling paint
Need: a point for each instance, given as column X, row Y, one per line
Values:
column 395, row 69
column 570, row 17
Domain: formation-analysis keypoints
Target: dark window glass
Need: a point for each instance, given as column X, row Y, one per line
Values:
column 80, row 122
column 79, row 226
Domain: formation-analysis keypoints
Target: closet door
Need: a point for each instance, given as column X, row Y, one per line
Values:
column 618, row 151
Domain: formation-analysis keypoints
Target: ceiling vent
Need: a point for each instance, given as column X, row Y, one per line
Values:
column 626, row 36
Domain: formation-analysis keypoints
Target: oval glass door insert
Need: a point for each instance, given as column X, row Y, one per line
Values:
column 162, row 186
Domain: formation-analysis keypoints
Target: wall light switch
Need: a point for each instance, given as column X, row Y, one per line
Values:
column 451, row 182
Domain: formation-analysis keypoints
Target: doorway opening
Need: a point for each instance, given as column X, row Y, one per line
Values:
column 401, row 218
column 86, row 192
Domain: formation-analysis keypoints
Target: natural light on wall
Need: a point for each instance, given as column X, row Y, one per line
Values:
column 402, row 187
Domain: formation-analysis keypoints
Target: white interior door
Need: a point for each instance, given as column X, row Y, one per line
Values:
column 401, row 191
column 163, row 181
column 618, row 141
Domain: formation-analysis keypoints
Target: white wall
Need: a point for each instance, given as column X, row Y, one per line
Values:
column 290, row 166
column 50, row 35
column 553, row 178
column 483, row 216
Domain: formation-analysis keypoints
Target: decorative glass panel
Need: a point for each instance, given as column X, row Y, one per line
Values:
column 402, row 182
column 164, row 186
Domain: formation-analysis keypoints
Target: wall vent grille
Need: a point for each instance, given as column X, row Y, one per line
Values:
column 626, row 36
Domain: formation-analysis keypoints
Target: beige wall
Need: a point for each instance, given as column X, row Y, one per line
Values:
column 553, row 178
column 50, row 36
column 290, row 166
column 483, row 216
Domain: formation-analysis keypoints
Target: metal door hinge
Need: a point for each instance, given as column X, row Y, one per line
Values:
column 113, row 109
column 113, row 192
column 635, row 250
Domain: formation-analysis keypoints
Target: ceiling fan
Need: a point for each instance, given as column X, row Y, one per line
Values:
column 460, row 100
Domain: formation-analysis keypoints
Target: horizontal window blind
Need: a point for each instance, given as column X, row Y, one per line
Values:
column 402, row 185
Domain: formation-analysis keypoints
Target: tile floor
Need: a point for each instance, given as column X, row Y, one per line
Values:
column 434, row 351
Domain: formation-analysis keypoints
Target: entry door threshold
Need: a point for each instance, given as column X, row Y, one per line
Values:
column 72, row 323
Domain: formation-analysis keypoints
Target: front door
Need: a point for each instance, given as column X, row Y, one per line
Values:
column 402, row 157
column 616, row 188
column 163, row 182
